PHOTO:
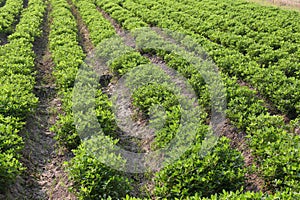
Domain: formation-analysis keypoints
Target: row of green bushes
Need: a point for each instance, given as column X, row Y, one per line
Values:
column 17, row 82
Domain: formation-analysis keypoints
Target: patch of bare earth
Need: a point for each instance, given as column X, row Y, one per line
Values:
column 44, row 177
column 239, row 141
column 285, row 4
column 84, row 35
column 293, row 3
column 3, row 39
column 129, row 41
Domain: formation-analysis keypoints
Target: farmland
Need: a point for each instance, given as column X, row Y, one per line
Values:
column 149, row 99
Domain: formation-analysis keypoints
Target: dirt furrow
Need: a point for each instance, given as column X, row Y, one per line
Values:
column 292, row 3
column 3, row 39
column 84, row 36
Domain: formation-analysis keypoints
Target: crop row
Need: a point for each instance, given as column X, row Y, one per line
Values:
column 67, row 56
column 8, row 15
column 17, row 82
column 269, row 139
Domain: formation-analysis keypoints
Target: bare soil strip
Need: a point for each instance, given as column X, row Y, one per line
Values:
column 238, row 140
column 44, row 177
column 25, row 3
column 287, row 2
column 3, row 39
column 129, row 41
column 293, row 5
column 84, row 35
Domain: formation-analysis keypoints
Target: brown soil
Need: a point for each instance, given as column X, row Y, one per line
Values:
column 84, row 36
column 25, row 3
column 44, row 177
column 129, row 41
column 3, row 39
column 239, row 142
column 292, row 3
column 2, row 3
column 284, row 4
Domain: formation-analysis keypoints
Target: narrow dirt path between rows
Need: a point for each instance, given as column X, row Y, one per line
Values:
column 238, row 140
column 286, row 4
column 84, row 35
column 44, row 177
column 3, row 39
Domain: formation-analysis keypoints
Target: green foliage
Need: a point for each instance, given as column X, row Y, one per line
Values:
column 8, row 15
column 243, row 104
column 67, row 56
column 10, row 145
column 104, row 113
column 17, row 82
column 248, row 50
column 16, row 97
column 10, row 167
column 153, row 94
column 253, row 50
column 64, row 47
column 122, row 64
column 239, row 195
column 65, row 131
column 95, row 180
column 30, row 22
column 221, row 169
column 237, row 48
column 277, row 152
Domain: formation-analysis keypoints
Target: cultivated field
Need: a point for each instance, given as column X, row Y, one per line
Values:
column 149, row 99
